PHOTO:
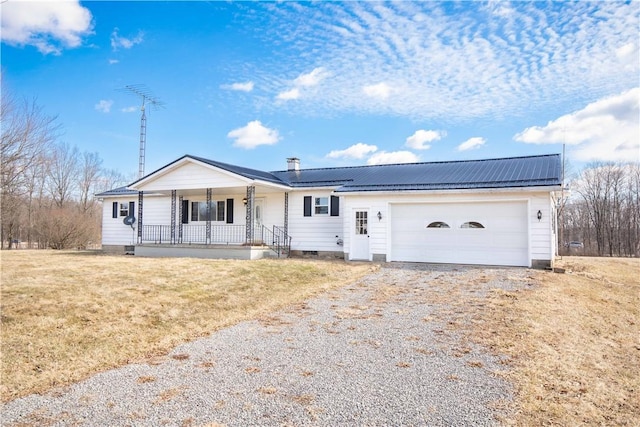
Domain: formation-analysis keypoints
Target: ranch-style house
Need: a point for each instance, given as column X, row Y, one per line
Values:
column 487, row 212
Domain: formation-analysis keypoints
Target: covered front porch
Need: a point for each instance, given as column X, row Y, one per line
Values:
column 213, row 241
column 196, row 206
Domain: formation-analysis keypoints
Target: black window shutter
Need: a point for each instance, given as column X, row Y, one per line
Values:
column 335, row 206
column 307, row 205
column 229, row 211
column 132, row 208
column 185, row 212
column 114, row 212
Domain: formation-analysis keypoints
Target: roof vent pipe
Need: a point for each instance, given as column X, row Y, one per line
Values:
column 293, row 164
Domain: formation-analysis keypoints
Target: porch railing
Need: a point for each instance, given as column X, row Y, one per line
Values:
column 275, row 238
column 194, row 234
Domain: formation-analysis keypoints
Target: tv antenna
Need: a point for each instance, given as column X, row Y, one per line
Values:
column 147, row 97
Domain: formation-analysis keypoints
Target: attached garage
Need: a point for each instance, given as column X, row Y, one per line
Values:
column 487, row 233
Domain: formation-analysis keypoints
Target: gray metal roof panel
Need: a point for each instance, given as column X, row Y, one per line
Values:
column 120, row 191
column 490, row 173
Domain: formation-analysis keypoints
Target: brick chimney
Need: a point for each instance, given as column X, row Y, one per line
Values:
column 293, row 164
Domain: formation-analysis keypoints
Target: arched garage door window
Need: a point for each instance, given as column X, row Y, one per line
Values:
column 472, row 224
column 438, row 224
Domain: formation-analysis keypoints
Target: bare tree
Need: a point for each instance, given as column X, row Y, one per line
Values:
column 26, row 131
column 62, row 173
column 89, row 176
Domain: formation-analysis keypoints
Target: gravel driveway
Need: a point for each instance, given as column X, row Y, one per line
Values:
column 385, row 350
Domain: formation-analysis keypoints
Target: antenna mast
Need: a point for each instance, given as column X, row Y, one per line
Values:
column 147, row 98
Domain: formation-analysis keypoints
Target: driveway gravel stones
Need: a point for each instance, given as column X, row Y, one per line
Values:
column 388, row 349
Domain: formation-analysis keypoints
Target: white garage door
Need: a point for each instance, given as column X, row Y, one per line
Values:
column 463, row 233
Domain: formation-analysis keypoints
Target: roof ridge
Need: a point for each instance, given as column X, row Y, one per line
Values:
column 422, row 163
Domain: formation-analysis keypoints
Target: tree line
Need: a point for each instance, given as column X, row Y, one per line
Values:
column 47, row 186
column 602, row 211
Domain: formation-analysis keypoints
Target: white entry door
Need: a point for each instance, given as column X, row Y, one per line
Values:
column 360, row 239
column 258, row 219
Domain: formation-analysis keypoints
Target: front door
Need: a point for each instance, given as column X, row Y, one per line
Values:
column 360, row 240
column 258, row 217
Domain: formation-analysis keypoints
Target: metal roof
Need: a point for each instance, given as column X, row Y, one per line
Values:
column 529, row 171
column 120, row 191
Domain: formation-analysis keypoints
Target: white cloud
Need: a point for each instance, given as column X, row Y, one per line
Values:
column 131, row 109
column 289, row 94
column 385, row 158
column 472, row 144
column 104, row 106
column 118, row 41
column 49, row 26
column 420, row 139
column 311, row 79
column 427, row 60
column 253, row 135
column 607, row 129
column 381, row 90
column 357, row 151
column 308, row 80
column 113, row 61
column 242, row 87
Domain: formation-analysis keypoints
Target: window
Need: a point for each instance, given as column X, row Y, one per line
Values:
column 321, row 206
column 361, row 222
column 199, row 211
column 472, row 224
column 438, row 224
column 124, row 209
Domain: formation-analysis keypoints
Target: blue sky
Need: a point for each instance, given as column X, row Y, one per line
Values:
column 339, row 83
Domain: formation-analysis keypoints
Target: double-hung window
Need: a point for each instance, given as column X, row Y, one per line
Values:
column 321, row 206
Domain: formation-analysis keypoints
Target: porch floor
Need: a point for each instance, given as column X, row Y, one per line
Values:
column 204, row 251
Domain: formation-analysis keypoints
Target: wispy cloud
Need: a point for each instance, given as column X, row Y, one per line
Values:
column 421, row 139
column 118, row 41
column 432, row 60
column 113, row 61
column 608, row 129
column 472, row 144
column 131, row 109
column 242, row 87
column 104, row 106
column 385, row 158
column 357, row 151
column 49, row 26
column 253, row 135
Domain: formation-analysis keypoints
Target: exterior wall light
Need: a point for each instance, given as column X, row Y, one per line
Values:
column 539, row 215
column 244, row 201
column 379, row 216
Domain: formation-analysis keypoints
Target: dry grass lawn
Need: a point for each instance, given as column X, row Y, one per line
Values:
column 67, row 315
column 574, row 343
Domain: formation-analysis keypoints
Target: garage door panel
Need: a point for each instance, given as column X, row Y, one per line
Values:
column 502, row 241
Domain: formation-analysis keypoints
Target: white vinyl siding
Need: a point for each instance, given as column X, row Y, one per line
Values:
column 316, row 232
